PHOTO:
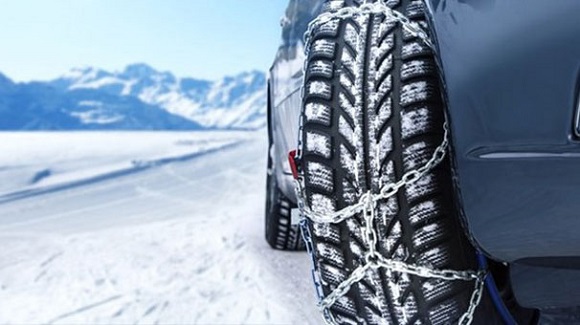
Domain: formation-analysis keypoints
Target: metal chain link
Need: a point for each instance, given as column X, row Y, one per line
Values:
column 368, row 9
column 367, row 203
column 386, row 192
column 476, row 296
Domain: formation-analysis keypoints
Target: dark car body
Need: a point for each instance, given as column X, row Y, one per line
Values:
column 285, row 100
column 284, row 90
column 511, row 75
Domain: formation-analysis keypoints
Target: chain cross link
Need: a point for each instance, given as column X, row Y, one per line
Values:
column 386, row 192
column 367, row 203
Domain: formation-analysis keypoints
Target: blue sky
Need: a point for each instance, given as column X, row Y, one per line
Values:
column 41, row 39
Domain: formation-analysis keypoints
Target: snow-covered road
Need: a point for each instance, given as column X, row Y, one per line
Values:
column 175, row 239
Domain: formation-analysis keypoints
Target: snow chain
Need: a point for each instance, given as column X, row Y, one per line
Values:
column 366, row 205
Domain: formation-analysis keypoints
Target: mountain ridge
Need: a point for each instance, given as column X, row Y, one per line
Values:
column 137, row 98
column 213, row 104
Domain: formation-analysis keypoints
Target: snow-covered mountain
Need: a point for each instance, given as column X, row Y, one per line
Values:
column 232, row 102
column 137, row 98
column 40, row 106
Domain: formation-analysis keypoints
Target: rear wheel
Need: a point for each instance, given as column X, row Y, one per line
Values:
column 280, row 232
column 372, row 111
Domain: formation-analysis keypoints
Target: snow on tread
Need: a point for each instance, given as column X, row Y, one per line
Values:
column 386, row 119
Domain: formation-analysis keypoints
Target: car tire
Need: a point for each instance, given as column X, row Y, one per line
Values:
column 281, row 234
column 372, row 111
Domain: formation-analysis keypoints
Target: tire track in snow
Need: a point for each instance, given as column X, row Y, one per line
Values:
column 137, row 167
column 84, row 309
column 134, row 184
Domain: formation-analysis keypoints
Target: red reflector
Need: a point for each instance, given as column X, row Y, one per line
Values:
column 292, row 161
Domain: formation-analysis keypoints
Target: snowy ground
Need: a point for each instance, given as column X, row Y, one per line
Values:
column 142, row 228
